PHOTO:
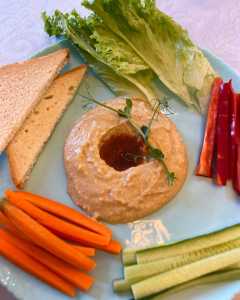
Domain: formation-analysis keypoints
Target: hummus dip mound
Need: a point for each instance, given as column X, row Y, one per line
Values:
column 107, row 175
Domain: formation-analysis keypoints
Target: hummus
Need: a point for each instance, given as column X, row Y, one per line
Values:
column 120, row 196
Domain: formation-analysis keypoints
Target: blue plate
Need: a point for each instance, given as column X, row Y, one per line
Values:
column 200, row 207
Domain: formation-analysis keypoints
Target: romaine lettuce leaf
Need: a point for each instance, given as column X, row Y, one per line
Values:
column 163, row 45
column 104, row 47
column 117, row 84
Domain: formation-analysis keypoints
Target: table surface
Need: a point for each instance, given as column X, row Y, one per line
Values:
column 212, row 24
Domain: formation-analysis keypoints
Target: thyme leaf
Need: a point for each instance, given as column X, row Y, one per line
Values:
column 126, row 112
column 155, row 153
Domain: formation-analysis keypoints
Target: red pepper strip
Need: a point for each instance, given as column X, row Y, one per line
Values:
column 223, row 136
column 236, row 155
column 237, row 126
column 204, row 167
column 236, row 176
column 234, row 128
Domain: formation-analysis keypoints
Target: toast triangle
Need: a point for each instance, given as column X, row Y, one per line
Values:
column 29, row 141
column 21, row 87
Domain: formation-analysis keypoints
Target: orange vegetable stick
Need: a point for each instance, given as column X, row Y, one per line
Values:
column 13, row 230
column 86, row 250
column 3, row 219
column 6, row 222
column 62, row 211
column 114, row 247
column 19, row 258
column 46, row 239
column 63, row 269
column 67, row 229
column 10, row 227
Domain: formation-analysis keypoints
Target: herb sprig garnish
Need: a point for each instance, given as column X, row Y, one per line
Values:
column 143, row 131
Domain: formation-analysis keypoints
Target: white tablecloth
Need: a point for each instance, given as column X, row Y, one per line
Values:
column 213, row 24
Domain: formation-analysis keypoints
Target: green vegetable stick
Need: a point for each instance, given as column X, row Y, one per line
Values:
column 192, row 244
column 129, row 256
column 163, row 281
column 140, row 272
column 121, row 286
column 231, row 272
column 215, row 277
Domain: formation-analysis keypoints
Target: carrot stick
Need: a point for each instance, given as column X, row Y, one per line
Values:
column 61, row 268
column 67, row 229
column 114, row 247
column 3, row 219
column 10, row 226
column 86, row 250
column 46, row 239
column 62, row 211
column 25, row 262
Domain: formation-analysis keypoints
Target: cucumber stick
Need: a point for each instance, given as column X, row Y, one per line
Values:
column 140, row 272
column 235, row 266
column 163, row 281
column 129, row 256
column 231, row 272
column 122, row 286
column 189, row 245
column 207, row 279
